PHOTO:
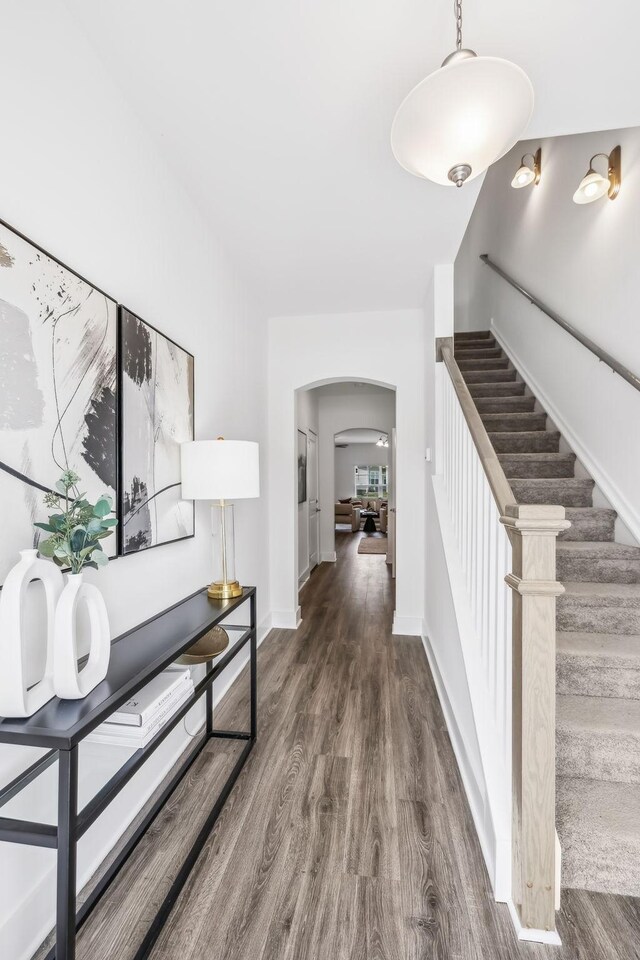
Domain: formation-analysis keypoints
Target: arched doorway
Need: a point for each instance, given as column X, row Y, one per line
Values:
column 381, row 349
column 323, row 411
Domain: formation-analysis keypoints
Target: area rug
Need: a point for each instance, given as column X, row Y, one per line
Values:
column 373, row 545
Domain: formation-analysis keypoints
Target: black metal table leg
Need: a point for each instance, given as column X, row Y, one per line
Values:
column 208, row 700
column 254, row 670
column 62, row 744
column 67, row 854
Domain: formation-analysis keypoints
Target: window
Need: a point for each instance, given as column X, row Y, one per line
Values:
column 371, row 481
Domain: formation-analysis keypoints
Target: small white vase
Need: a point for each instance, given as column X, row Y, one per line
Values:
column 15, row 699
column 68, row 682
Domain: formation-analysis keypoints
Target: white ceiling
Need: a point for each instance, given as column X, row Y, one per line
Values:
column 277, row 115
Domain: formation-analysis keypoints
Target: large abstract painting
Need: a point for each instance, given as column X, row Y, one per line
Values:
column 157, row 416
column 58, row 344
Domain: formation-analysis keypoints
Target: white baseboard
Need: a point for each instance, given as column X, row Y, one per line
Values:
column 328, row 556
column 304, row 576
column 550, row 937
column 286, row 619
column 406, row 626
column 471, row 787
column 264, row 628
column 627, row 512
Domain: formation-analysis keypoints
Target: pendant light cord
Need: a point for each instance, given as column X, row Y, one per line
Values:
column 457, row 7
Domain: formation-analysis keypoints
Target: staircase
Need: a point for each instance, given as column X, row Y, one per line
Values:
column 598, row 630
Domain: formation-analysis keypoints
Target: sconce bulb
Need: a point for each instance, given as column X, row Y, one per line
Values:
column 592, row 186
column 524, row 176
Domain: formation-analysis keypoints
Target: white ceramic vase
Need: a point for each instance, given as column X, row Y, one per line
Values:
column 68, row 682
column 15, row 646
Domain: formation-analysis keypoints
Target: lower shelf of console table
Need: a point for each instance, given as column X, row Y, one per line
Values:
column 61, row 725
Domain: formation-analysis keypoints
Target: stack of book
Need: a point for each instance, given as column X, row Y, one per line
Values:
column 138, row 720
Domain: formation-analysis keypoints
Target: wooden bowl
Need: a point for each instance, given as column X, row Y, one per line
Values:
column 211, row 645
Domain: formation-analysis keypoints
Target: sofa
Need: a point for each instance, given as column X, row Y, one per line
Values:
column 348, row 513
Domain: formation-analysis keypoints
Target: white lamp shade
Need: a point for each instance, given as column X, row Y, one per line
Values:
column 524, row 176
column 470, row 111
column 591, row 188
column 220, row 469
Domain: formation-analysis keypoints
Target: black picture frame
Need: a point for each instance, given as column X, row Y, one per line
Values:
column 7, row 469
column 126, row 547
column 302, row 466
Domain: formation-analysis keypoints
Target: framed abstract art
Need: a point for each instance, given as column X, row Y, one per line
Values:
column 302, row 466
column 58, row 388
column 156, row 416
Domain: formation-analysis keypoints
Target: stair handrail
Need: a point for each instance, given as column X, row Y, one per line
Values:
column 500, row 486
column 601, row 354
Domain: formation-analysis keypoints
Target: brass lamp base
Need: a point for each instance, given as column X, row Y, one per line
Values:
column 220, row 590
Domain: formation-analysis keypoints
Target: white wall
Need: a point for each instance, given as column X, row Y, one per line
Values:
column 302, row 351
column 582, row 261
column 307, row 421
column 354, row 455
column 81, row 178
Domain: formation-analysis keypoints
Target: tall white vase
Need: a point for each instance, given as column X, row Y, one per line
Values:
column 68, row 682
column 15, row 699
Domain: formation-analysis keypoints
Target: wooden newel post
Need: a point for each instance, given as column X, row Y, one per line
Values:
column 533, row 531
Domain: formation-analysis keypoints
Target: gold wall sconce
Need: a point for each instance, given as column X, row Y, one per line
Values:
column 595, row 185
column 528, row 174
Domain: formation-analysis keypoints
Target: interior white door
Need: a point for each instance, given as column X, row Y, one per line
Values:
column 314, row 508
column 391, row 519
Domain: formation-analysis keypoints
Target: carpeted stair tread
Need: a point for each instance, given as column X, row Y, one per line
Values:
column 590, row 560
column 628, row 594
column 508, row 388
column 514, row 422
column 599, row 608
column 473, row 335
column 528, row 466
column 505, row 404
column 487, row 344
column 589, row 523
column 598, row 665
column 597, row 824
column 488, row 363
column 527, row 441
column 566, row 491
column 503, row 375
column 468, row 352
column 598, row 738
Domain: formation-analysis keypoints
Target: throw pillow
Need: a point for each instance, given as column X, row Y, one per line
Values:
column 348, row 500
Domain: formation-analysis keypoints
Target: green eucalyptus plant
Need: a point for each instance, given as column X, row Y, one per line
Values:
column 76, row 527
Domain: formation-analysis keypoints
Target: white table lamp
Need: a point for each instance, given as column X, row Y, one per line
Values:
column 221, row 470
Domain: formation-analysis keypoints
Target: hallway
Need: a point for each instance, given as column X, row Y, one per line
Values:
column 347, row 836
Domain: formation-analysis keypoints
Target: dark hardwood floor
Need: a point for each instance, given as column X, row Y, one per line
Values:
column 347, row 835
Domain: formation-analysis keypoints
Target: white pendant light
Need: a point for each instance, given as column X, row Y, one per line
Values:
column 463, row 117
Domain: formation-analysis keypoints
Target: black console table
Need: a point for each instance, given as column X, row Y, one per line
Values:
column 136, row 657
